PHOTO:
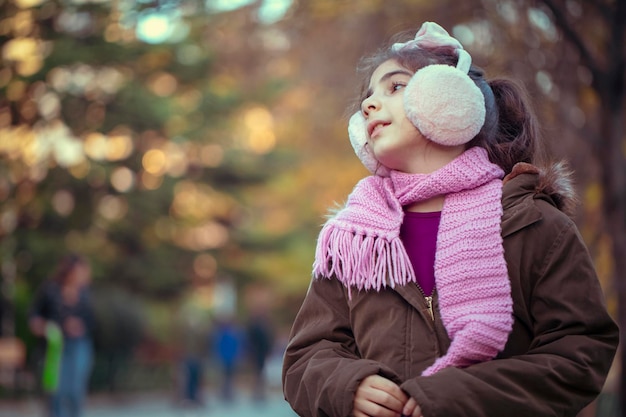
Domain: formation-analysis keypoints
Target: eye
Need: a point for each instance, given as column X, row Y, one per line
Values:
column 397, row 85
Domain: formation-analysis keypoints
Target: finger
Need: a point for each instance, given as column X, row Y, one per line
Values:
column 411, row 408
column 408, row 408
column 383, row 391
column 389, row 387
column 367, row 408
column 386, row 400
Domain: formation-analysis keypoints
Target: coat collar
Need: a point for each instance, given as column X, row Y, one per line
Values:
column 527, row 183
column 517, row 198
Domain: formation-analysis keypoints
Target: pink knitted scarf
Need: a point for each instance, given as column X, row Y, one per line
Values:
column 360, row 245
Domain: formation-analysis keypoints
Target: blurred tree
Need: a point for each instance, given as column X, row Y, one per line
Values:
column 130, row 131
column 595, row 34
column 572, row 55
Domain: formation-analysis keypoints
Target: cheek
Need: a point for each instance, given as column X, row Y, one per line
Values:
column 409, row 129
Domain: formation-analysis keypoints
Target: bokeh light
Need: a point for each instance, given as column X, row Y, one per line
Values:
column 154, row 161
column 112, row 207
column 63, row 202
column 122, row 179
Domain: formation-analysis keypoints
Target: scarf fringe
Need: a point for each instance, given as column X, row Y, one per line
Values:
column 355, row 259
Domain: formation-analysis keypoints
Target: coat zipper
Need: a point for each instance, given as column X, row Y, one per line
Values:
column 429, row 302
column 431, row 310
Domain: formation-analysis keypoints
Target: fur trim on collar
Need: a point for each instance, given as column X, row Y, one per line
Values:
column 554, row 181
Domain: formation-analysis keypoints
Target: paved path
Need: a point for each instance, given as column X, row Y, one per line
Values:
column 160, row 405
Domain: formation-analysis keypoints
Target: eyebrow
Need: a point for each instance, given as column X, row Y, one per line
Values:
column 386, row 77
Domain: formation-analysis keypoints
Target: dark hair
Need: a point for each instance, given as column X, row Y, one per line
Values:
column 66, row 265
column 510, row 133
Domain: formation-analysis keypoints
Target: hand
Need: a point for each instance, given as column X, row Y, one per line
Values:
column 377, row 396
column 74, row 326
column 37, row 326
column 412, row 409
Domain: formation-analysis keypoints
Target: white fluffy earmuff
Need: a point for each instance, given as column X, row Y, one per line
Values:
column 357, row 131
column 444, row 104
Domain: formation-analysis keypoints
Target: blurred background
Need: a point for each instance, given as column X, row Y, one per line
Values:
column 189, row 150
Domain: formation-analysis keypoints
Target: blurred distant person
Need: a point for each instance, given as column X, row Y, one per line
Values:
column 227, row 340
column 64, row 300
column 193, row 332
column 260, row 341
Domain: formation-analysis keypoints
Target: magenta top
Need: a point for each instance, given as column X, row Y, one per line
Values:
column 419, row 236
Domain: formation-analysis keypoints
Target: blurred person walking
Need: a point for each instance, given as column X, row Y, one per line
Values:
column 192, row 335
column 227, row 341
column 260, row 341
column 63, row 301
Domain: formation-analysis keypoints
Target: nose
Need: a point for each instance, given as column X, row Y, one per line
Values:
column 370, row 104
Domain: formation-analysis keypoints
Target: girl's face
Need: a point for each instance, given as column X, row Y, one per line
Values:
column 392, row 138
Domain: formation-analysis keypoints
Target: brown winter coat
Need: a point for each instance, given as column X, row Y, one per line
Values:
column 554, row 363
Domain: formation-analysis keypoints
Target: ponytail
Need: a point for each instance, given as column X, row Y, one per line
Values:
column 511, row 134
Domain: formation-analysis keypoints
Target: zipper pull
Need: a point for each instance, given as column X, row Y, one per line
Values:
column 429, row 304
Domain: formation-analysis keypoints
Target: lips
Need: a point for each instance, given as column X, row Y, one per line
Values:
column 375, row 125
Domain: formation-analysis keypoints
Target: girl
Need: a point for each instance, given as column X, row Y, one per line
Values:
column 453, row 282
